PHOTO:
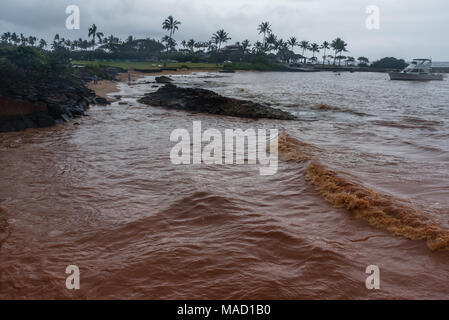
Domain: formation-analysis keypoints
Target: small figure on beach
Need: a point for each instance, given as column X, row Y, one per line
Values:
column 129, row 78
column 95, row 78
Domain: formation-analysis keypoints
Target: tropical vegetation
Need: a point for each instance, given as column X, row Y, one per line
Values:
column 270, row 51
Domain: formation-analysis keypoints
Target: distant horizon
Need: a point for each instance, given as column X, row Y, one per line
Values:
column 407, row 30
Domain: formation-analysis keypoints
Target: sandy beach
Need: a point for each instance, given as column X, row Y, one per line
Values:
column 104, row 87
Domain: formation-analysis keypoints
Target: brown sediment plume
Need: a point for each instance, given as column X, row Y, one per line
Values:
column 409, row 123
column 381, row 211
column 291, row 149
column 326, row 107
column 4, row 231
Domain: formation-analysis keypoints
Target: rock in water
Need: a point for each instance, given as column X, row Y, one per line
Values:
column 163, row 79
column 202, row 100
column 65, row 118
column 101, row 101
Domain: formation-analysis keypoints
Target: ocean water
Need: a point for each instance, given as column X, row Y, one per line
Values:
column 363, row 179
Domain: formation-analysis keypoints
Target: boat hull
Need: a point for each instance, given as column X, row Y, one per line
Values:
column 415, row 77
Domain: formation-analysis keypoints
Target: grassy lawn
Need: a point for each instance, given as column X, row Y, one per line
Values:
column 150, row 65
column 255, row 66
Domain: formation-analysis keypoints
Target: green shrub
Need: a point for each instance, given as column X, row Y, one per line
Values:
column 389, row 63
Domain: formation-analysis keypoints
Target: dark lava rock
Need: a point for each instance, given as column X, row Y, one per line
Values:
column 51, row 100
column 56, row 110
column 77, row 111
column 101, row 101
column 43, row 119
column 163, row 79
column 202, row 100
column 19, row 125
column 6, row 127
column 65, row 117
column 29, row 122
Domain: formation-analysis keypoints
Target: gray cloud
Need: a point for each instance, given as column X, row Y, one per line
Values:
column 408, row 29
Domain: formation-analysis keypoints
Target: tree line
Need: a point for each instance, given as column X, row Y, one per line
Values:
column 270, row 46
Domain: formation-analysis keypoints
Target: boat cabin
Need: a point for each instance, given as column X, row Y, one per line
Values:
column 419, row 66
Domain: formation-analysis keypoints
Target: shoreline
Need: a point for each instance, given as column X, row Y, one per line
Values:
column 54, row 107
column 105, row 87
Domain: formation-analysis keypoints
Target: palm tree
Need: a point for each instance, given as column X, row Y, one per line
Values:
column 271, row 42
column 264, row 28
column 56, row 41
column 363, row 61
column 15, row 38
column 42, row 44
column 349, row 60
column 93, row 33
column 258, row 47
column 325, row 46
column 100, row 36
column 342, row 47
column 245, row 46
column 292, row 42
column 111, row 42
column 68, row 43
column 220, row 37
column 23, row 40
column 191, row 45
column 211, row 46
column 282, row 50
column 6, row 37
column 85, row 44
column 304, row 45
column 339, row 58
column 171, row 24
column 314, row 48
column 199, row 45
column 313, row 59
column 339, row 46
column 281, row 45
column 169, row 42
column 32, row 40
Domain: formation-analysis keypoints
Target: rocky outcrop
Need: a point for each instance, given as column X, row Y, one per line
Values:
column 163, row 79
column 12, row 107
column 202, row 100
column 101, row 101
column 44, row 104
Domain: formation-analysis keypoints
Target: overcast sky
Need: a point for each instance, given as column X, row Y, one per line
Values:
column 408, row 28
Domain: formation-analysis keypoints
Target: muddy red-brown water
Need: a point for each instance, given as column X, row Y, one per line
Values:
column 363, row 180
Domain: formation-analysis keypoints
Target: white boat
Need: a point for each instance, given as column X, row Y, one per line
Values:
column 418, row 70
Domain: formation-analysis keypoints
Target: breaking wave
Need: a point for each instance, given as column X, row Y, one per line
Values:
column 381, row 211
